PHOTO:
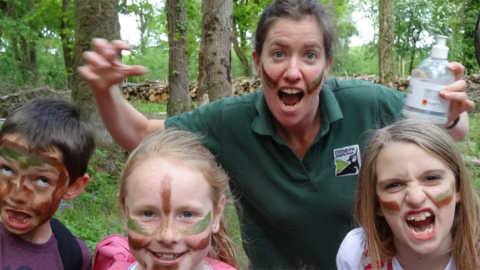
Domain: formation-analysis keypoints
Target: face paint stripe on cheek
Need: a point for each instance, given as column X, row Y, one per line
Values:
column 133, row 225
column 199, row 226
column 443, row 199
column 316, row 83
column 137, row 243
column 166, row 194
column 391, row 207
column 268, row 80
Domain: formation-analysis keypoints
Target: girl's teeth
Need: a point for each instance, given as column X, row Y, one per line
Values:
column 167, row 256
column 420, row 217
column 426, row 231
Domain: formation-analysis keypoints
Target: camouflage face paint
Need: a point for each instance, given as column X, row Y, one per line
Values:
column 444, row 199
column 166, row 195
column 199, row 226
column 133, row 225
column 23, row 161
column 137, row 243
column 316, row 83
column 391, row 208
column 268, row 81
column 204, row 243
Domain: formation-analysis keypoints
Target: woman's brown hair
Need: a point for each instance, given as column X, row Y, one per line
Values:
column 186, row 147
column 436, row 141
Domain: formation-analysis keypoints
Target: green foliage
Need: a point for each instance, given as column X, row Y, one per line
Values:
column 150, row 107
column 470, row 148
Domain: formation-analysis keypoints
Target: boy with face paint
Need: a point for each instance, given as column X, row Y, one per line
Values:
column 415, row 203
column 44, row 151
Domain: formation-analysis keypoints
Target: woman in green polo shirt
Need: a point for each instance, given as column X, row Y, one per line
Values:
column 292, row 150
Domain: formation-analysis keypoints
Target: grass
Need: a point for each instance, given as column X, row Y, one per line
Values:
column 470, row 148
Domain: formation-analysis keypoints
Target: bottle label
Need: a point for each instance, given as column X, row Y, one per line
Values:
column 424, row 95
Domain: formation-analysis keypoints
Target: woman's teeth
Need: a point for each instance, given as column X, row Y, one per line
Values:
column 419, row 217
column 290, row 91
column 164, row 256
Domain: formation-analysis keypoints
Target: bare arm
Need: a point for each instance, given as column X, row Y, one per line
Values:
column 103, row 72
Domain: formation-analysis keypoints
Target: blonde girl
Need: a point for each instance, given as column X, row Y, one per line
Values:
column 173, row 195
column 415, row 203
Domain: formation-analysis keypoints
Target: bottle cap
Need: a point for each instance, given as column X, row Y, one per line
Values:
column 440, row 51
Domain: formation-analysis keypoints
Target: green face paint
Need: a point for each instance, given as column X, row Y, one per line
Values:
column 199, row 226
column 316, row 83
column 444, row 195
column 23, row 161
column 268, row 81
column 133, row 225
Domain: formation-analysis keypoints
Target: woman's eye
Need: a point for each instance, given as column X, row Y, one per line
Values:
column 310, row 56
column 278, row 54
column 7, row 171
column 187, row 215
column 148, row 214
column 42, row 182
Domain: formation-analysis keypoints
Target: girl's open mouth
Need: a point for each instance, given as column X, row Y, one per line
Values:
column 168, row 258
column 18, row 220
column 421, row 225
column 290, row 97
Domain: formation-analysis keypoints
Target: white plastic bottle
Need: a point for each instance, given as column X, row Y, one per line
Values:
column 423, row 98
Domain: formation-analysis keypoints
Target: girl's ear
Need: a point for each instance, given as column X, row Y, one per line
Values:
column 218, row 213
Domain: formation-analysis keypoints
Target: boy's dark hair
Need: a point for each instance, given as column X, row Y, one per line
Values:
column 51, row 122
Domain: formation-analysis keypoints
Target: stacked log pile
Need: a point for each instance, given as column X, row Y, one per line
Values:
column 158, row 92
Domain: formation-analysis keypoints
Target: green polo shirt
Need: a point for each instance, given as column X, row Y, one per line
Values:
column 295, row 212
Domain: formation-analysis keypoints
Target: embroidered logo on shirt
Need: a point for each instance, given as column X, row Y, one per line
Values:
column 347, row 160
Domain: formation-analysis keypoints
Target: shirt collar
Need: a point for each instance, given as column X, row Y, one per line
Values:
column 329, row 106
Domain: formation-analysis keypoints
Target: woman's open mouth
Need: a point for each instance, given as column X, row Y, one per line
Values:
column 421, row 225
column 290, row 98
column 18, row 220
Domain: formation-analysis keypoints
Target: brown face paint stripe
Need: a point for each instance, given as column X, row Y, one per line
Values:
column 199, row 226
column 316, row 83
column 391, row 206
column 137, row 243
column 203, row 244
column 269, row 81
column 133, row 225
column 444, row 199
column 166, row 194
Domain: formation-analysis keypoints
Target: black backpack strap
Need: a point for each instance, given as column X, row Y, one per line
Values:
column 68, row 246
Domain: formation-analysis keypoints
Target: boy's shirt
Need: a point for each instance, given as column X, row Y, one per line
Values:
column 17, row 253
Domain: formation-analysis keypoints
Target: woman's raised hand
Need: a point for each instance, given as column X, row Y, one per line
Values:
column 104, row 68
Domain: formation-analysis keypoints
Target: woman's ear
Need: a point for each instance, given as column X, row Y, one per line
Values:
column 76, row 188
column 218, row 213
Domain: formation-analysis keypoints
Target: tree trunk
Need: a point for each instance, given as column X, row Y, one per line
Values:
column 217, row 24
column 179, row 100
column 99, row 19
column 202, row 95
column 247, row 71
column 385, row 43
column 66, row 42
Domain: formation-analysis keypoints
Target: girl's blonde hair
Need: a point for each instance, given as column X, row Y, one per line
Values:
column 436, row 141
column 187, row 148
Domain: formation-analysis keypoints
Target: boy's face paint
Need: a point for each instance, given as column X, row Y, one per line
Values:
column 416, row 192
column 32, row 184
column 169, row 215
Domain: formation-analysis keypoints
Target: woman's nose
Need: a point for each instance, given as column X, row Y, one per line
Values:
column 293, row 69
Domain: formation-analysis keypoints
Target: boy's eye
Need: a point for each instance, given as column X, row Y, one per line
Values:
column 278, row 54
column 42, row 182
column 187, row 215
column 7, row 171
column 148, row 214
column 310, row 56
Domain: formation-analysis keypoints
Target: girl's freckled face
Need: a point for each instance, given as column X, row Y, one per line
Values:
column 411, row 182
column 168, row 210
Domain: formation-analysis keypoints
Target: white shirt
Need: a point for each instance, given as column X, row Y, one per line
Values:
column 350, row 255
